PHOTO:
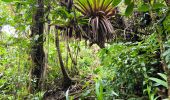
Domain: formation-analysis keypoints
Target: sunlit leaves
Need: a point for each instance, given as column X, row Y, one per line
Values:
column 96, row 7
column 129, row 9
column 7, row 0
column 158, row 6
column 162, row 81
column 143, row 8
column 20, row 1
column 116, row 2
column 60, row 16
column 154, row 6
column 99, row 89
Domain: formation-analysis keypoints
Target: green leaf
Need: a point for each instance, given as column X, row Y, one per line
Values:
column 99, row 89
column 161, row 82
column 127, row 2
column 167, row 52
column 169, row 66
column 158, row 6
column 7, row 0
column 163, row 76
column 116, row 2
column 129, row 9
column 114, row 93
column 143, row 8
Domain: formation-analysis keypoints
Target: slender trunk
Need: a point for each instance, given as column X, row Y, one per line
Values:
column 37, row 52
column 67, row 80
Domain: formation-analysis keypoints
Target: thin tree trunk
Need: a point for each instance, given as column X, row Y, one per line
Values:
column 66, row 79
column 37, row 52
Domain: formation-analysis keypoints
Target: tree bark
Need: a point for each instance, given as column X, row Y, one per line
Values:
column 37, row 52
column 66, row 79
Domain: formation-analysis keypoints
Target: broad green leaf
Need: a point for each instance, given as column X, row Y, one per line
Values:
column 116, row 2
column 169, row 66
column 143, row 8
column 167, row 52
column 167, row 58
column 99, row 89
column 161, row 82
column 7, row 0
column 114, row 93
column 158, row 6
column 129, row 9
column 163, row 76
column 127, row 2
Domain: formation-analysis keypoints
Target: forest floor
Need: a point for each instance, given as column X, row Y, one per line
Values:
column 78, row 88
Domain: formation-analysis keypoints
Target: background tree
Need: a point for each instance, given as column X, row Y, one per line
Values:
column 37, row 51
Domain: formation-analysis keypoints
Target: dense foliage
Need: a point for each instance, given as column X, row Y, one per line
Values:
column 84, row 49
